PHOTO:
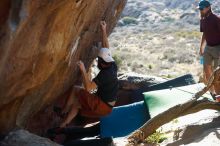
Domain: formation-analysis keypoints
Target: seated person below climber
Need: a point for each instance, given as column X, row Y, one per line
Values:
column 106, row 82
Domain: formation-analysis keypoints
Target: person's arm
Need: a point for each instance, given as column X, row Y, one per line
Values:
column 105, row 43
column 89, row 85
column 203, row 41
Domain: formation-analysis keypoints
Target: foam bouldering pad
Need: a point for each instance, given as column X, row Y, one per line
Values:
column 124, row 119
column 161, row 100
column 176, row 82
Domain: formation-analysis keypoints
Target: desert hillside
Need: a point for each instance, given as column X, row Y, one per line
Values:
column 159, row 37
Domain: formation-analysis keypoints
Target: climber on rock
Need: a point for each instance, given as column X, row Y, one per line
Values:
column 99, row 104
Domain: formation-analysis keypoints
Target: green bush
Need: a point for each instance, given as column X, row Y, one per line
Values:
column 150, row 66
column 169, row 76
column 129, row 20
column 168, row 19
column 156, row 138
column 118, row 60
column 188, row 34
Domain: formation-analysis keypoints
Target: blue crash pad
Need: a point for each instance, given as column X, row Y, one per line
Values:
column 124, row 119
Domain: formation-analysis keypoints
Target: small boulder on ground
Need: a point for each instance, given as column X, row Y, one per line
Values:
column 133, row 81
column 25, row 138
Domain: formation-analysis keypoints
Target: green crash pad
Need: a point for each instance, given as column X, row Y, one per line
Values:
column 161, row 100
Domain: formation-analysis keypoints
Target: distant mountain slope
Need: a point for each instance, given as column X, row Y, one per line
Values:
column 159, row 37
column 175, row 13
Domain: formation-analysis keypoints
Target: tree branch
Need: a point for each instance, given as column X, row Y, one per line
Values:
column 192, row 106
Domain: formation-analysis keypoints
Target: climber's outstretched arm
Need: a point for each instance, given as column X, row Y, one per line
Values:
column 105, row 43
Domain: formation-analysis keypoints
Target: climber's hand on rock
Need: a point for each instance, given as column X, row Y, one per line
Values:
column 81, row 65
column 103, row 25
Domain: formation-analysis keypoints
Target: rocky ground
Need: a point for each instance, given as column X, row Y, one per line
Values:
column 159, row 37
column 197, row 129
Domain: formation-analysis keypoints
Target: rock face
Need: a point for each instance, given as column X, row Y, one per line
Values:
column 40, row 43
column 24, row 138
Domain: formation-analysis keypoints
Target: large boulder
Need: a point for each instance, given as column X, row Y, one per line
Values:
column 40, row 43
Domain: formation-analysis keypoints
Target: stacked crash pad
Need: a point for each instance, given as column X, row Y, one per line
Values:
column 125, row 119
column 184, row 80
column 161, row 100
